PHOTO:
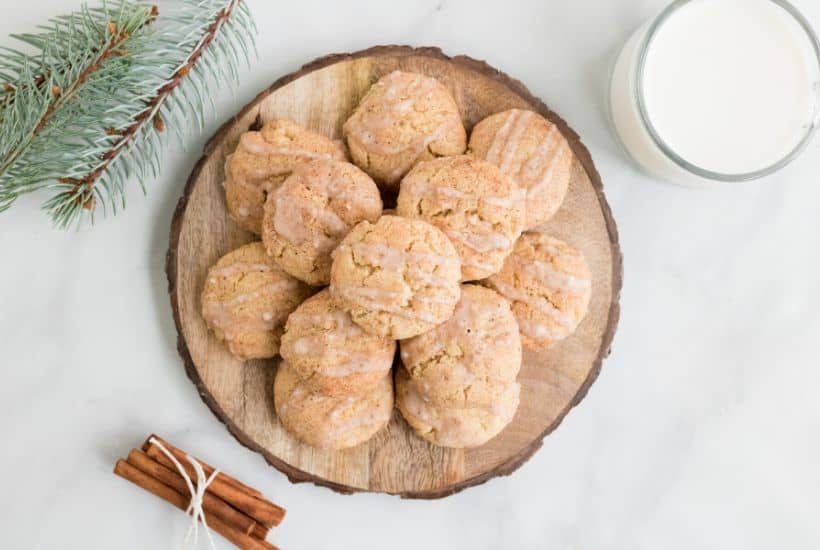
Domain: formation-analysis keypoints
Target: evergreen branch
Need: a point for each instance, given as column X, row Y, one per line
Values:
column 83, row 115
column 117, row 38
column 150, row 113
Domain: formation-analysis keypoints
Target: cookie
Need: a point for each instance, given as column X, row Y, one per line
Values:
column 263, row 160
column 329, row 422
column 531, row 150
column 549, row 284
column 451, row 426
column 480, row 209
column 330, row 352
column 397, row 278
column 472, row 358
column 246, row 300
column 307, row 216
column 404, row 118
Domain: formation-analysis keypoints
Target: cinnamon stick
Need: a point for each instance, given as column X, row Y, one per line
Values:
column 264, row 512
column 180, row 455
column 168, row 494
column 213, row 505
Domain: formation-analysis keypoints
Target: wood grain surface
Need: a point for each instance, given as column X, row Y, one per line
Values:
column 321, row 96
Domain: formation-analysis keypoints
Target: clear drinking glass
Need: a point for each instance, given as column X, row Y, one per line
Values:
column 639, row 136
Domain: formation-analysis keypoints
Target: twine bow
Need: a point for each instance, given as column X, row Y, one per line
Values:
column 197, row 495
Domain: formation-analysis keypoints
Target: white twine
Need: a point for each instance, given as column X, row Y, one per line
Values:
column 197, row 495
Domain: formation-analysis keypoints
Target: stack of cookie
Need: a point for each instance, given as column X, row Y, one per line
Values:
column 334, row 387
column 453, row 273
column 458, row 386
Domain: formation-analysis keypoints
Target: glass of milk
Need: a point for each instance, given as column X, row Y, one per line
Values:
column 717, row 90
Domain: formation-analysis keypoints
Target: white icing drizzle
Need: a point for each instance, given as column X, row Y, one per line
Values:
column 443, row 299
column 375, row 294
column 369, row 417
column 538, row 331
column 417, row 406
column 296, row 395
column 468, row 318
column 427, row 277
column 512, row 201
column 537, row 172
column 419, row 148
column 363, row 296
column 345, row 404
column 300, row 220
column 479, row 265
column 500, row 138
column 458, row 373
column 546, row 176
column 223, row 316
column 481, row 236
column 480, row 242
column 447, row 425
column 330, row 428
column 335, row 330
column 364, row 126
column 253, row 179
column 530, row 170
column 505, row 405
column 552, row 277
column 293, row 220
column 336, row 323
column 396, row 302
column 388, row 257
column 355, row 363
column 254, row 143
column 512, row 144
column 547, row 275
column 540, row 303
column 271, row 288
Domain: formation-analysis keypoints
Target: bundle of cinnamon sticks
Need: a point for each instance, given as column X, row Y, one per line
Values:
column 237, row 512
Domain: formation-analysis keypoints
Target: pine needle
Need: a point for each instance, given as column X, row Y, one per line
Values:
column 86, row 107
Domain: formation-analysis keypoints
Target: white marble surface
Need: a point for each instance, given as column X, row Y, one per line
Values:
column 703, row 430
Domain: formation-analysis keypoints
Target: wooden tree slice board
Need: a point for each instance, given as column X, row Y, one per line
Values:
column 321, row 96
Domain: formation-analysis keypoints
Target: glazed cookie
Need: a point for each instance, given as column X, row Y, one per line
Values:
column 549, row 284
column 330, row 422
column 246, row 300
column 450, row 426
column 330, row 352
column 480, row 209
column 263, row 160
column 404, row 118
column 471, row 359
column 530, row 149
column 307, row 216
column 397, row 278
